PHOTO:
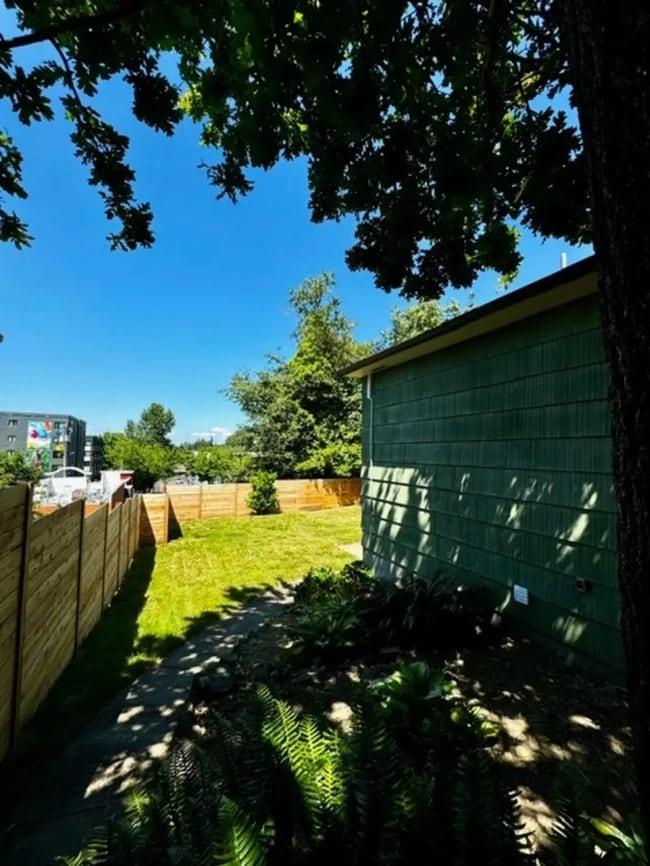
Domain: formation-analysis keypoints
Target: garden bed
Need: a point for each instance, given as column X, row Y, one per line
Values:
column 551, row 716
column 372, row 724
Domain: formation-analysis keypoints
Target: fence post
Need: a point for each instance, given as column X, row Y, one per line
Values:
column 107, row 511
column 165, row 538
column 21, row 605
column 79, row 574
column 129, row 537
column 200, row 502
column 119, row 549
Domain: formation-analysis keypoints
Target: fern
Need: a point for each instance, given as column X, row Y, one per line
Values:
column 274, row 788
column 240, row 843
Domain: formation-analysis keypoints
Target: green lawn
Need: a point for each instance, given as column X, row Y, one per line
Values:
column 174, row 591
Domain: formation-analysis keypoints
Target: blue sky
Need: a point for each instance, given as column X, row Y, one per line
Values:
column 101, row 334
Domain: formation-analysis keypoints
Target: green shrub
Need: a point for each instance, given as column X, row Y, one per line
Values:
column 417, row 705
column 323, row 582
column 329, row 632
column 263, row 498
column 414, row 613
column 428, row 613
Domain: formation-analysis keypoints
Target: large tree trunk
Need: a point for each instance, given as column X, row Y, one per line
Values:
column 608, row 46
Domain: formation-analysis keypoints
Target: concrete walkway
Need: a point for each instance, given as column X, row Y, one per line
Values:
column 82, row 787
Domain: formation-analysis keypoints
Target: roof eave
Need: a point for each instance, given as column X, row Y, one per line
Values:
column 561, row 287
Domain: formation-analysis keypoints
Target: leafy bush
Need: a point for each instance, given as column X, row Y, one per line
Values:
column 16, row 467
column 329, row 632
column 415, row 613
column 323, row 582
column 429, row 613
column 417, row 705
column 263, row 498
column 577, row 836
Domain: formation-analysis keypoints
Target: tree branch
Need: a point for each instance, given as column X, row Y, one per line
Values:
column 68, row 76
column 69, row 25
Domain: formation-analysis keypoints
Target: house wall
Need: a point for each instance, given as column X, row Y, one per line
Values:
column 491, row 460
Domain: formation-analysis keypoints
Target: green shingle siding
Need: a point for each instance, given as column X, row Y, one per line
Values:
column 491, row 459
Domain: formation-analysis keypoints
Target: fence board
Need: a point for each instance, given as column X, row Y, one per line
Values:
column 112, row 561
column 154, row 519
column 124, row 540
column 135, row 524
column 51, row 591
column 229, row 500
column 219, row 501
column 13, row 502
column 185, row 502
column 50, row 605
column 15, row 508
column 92, row 571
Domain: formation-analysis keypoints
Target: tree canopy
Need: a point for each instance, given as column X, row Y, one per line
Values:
column 435, row 124
column 155, row 425
column 149, row 461
column 408, row 322
column 212, row 463
column 304, row 416
column 15, row 467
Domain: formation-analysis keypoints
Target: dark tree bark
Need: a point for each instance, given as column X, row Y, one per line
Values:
column 608, row 46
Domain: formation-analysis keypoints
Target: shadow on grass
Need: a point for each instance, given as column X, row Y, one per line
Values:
column 99, row 670
column 237, row 597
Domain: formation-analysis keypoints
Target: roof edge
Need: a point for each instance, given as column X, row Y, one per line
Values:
column 430, row 341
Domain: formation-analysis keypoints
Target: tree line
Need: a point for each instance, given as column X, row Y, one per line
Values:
column 303, row 417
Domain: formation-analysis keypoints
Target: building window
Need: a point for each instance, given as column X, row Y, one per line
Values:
column 11, row 438
column 12, row 422
column 9, row 451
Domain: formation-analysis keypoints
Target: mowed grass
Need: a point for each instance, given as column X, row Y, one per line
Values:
column 219, row 564
column 177, row 590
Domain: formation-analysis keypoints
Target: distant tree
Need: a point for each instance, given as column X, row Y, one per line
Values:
column 207, row 463
column 155, row 425
column 16, row 467
column 304, row 416
column 196, row 444
column 415, row 319
column 242, row 439
column 214, row 462
column 149, row 461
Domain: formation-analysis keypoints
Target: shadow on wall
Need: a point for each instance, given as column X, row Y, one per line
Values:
column 551, row 532
column 341, row 490
column 175, row 529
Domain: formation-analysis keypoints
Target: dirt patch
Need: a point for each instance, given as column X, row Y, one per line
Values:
column 554, row 719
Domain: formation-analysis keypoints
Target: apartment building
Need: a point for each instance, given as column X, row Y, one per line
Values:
column 94, row 456
column 50, row 441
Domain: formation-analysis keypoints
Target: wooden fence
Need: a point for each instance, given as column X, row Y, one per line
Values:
column 229, row 500
column 57, row 575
